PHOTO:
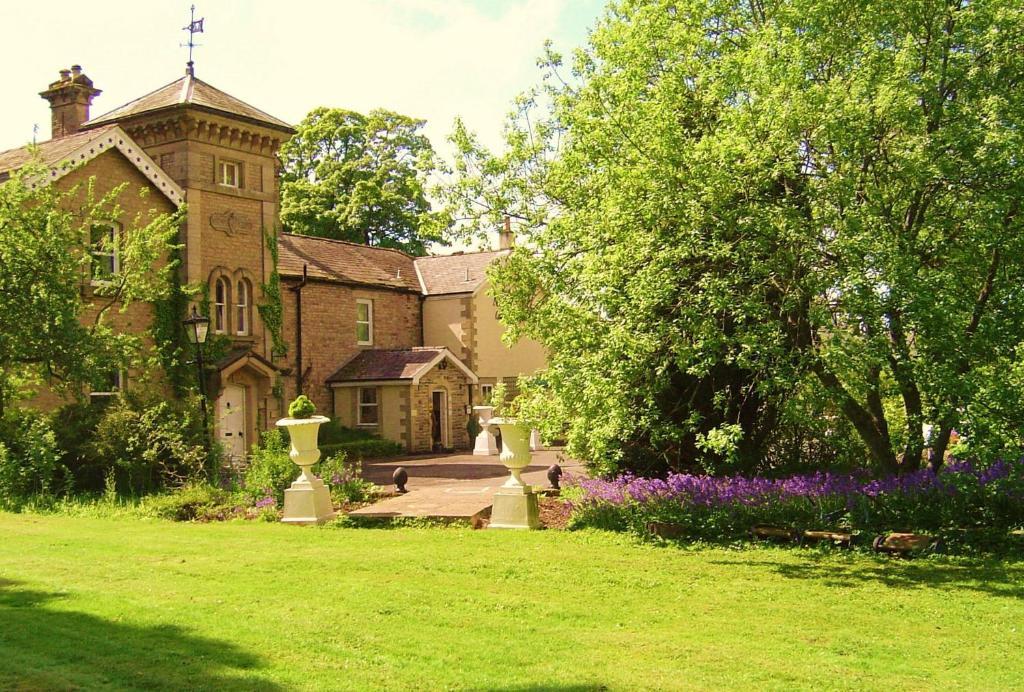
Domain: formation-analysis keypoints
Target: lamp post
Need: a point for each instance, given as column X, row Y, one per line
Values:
column 197, row 327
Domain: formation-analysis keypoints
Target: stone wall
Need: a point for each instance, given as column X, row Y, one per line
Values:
column 329, row 330
column 454, row 382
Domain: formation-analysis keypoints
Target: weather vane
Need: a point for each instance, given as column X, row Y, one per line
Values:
column 195, row 26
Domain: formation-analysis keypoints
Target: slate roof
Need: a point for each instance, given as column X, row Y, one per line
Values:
column 386, row 364
column 51, row 152
column 339, row 260
column 344, row 262
column 458, row 273
column 193, row 92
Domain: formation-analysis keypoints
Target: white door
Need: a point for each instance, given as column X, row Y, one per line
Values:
column 231, row 420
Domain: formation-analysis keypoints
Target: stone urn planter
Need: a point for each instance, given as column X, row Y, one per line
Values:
column 307, row 501
column 515, row 503
column 485, row 444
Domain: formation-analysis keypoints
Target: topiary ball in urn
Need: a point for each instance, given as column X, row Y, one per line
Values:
column 302, row 407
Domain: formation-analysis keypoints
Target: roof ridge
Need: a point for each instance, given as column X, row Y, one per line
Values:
column 349, row 242
column 463, row 254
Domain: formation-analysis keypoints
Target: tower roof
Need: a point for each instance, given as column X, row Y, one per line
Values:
column 192, row 92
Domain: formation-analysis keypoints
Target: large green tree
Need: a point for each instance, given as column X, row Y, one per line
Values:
column 56, row 288
column 359, row 178
column 745, row 218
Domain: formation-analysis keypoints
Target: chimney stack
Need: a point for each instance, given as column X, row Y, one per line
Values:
column 70, row 98
column 506, row 238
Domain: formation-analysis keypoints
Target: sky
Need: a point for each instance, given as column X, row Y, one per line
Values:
column 430, row 59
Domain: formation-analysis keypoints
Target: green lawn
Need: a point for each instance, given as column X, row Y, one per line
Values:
column 98, row 603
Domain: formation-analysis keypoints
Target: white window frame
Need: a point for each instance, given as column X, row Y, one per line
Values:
column 360, row 405
column 368, row 322
column 111, row 253
column 242, row 302
column 222, row 306
column 119, row 379
column 486, row 393
column 223, row 167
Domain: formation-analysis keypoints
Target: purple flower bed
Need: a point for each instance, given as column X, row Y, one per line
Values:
column 961, row 495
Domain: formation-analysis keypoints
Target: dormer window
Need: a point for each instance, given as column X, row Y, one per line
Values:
column 230, row 174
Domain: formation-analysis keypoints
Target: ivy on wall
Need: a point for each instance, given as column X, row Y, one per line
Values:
column 168, row 332
column 271, row 311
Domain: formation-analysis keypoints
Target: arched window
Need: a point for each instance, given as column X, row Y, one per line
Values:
column 243, row 300
column 221, row 303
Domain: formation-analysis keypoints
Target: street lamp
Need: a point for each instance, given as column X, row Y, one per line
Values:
column 196, row 328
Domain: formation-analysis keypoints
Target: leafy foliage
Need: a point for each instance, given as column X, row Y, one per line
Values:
column 270, row 469
column 148, row 443
column 757, row 230
column 55, row 296
column 359, row 178
column 29, row 457
column 198, row 501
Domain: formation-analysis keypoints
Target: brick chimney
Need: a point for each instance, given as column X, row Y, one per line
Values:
column 70, row 98
column 506, row 238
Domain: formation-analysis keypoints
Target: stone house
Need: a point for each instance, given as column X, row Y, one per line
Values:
column 377, row 338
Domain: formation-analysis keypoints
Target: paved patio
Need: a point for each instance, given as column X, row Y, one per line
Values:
column 453, row 486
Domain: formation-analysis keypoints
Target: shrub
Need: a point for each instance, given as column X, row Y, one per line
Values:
column 29, row 457
column 270, row 470
column 473, row 427
column 345, row 479
column 333, row 432
column 355, row 443
column 151, row 444
column 197, row 502
column 364, row 449
column 75, row 426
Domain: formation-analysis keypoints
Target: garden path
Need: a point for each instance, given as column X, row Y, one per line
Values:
column 453, row 486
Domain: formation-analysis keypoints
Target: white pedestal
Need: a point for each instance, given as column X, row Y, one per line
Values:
column 486, row 444
column 307, row 501
column 535, row 440
column 515, row 508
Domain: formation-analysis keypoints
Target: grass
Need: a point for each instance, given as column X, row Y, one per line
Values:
column 100, row 603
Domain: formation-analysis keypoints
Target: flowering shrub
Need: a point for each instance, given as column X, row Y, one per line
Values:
column 960, row 497
column 343, row 477
column 270, row 469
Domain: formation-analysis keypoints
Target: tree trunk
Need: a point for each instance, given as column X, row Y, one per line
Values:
column 874, row 431
column 937, row 455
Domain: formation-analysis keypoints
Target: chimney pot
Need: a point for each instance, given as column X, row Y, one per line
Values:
column 69, row 98
column 506, row 238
